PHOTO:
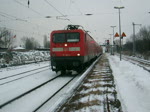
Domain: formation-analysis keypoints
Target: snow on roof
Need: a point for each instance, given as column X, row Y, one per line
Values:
column 19, row 48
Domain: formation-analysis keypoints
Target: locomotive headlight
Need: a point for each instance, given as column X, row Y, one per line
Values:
column 65, row 45
column 78, row 54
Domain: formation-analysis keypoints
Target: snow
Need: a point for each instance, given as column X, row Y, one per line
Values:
column 20, row 58
column 16, row 48
column 132, row 84
column 22, row 85
column 37, row 97
column 5, row 72
column 70, row 90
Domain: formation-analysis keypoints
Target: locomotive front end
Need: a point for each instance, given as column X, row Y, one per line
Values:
column 66, row 49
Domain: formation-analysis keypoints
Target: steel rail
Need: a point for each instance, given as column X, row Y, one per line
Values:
column 27, row 92
column 23, row 72
column 142, row 63
column 54, row 94
column 146, row 62
column 33, row 89
column 22, row 77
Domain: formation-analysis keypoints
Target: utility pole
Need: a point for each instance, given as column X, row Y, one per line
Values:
column 110, row 46
column 134, row 38
column 113, row 40
column 119, row 28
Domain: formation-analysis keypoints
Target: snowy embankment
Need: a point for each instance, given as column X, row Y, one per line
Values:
column 133, row 85
column 20, row 58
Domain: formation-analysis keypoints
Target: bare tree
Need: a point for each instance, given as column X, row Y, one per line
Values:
column 117, row 44
column 30, row 43
column 6, row 38
column 142, row 41
column 46, row 42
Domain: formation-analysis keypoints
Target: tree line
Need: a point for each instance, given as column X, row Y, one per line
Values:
column 142, row 41
column 7, row 40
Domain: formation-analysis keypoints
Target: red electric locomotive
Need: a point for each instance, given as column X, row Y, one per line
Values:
column 72, row 48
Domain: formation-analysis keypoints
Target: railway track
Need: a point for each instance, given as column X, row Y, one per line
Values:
column 25, row 93
column 35, row 110
column 39, row 94
column 18, row 76
column 145, row 64
column 97, row 93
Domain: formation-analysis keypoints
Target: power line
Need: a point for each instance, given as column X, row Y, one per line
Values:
column 5, row 16
column 28, row 7
column 22, row 31
column 10, row 16
column 54, row 8
column 16, row 18
column 57, row 10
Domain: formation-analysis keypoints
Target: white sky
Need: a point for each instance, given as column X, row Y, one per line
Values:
column 104, row 16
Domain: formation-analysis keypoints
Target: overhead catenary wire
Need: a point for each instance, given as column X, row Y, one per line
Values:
column 14, row 30
column 58, row 17
column 6, row 16
column 11, row 17
column 81, row 13
column 28, row 7
column 17, row 19
column 57, row 10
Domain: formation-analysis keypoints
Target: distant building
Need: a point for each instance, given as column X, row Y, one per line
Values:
column 19, row 49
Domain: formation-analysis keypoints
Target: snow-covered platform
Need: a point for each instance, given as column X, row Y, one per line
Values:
column 97, row 93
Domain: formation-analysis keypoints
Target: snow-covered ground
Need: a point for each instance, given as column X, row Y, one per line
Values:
column 20, row 86
column 21, row 58
column 133, row 85
column 132, row 82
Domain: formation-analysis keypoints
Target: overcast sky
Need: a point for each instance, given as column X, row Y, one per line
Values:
column 23, row 21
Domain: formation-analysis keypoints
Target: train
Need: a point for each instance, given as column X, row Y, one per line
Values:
column 72, row 49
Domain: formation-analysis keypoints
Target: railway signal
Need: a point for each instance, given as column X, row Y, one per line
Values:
column 107, row 42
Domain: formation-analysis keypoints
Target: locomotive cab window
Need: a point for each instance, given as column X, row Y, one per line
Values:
column 66, row 37
column 59, row 38
column 73, row 37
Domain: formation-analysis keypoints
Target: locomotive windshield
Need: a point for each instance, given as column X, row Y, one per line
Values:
column 66, row 37
column 72, row 37
column 59, row 38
